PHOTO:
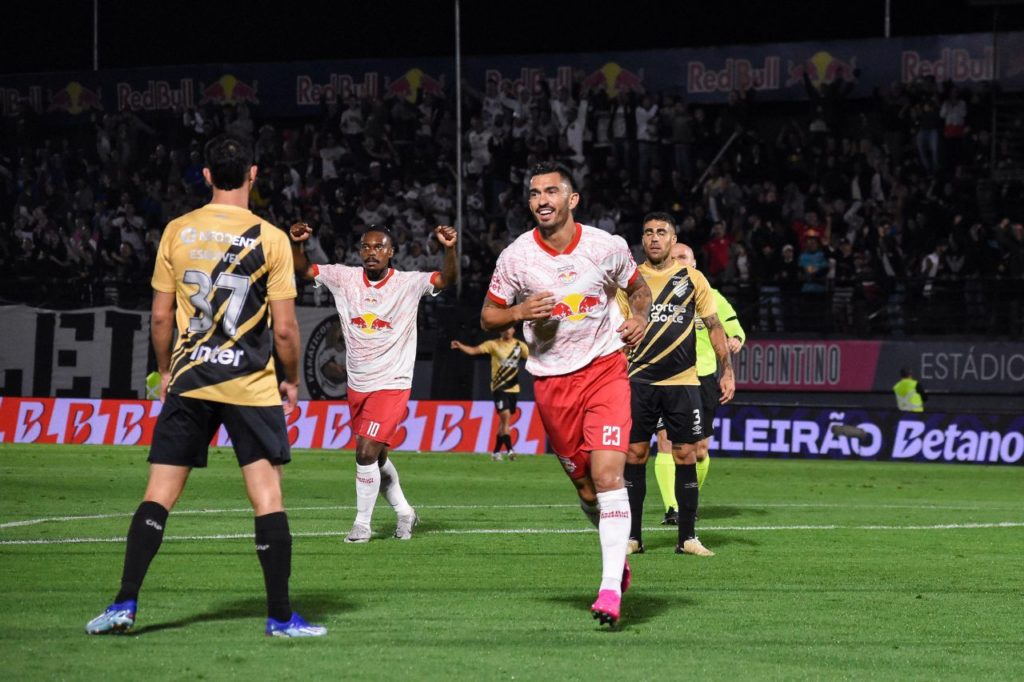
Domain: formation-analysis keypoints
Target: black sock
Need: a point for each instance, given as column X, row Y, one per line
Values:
column 686, row 498
column 274, row 548
column 498, row 440
column 636, row 487
column 508, row 441
column 145, row 534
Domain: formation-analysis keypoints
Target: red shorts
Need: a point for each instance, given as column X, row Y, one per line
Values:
column 376, row 415
column 586, row 410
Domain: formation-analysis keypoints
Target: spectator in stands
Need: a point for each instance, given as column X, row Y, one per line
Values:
column 954, row 117
column 717, row 252
column 118, row 175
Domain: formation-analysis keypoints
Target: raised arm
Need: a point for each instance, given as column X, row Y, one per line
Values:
column 299, row 233
column 447, row 237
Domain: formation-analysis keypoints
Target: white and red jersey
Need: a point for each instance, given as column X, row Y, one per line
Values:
column 584, row 279
column 378, row 320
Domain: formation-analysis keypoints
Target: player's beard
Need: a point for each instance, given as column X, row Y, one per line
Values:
column 375, row 275
column 561, row 216
column 666, row 256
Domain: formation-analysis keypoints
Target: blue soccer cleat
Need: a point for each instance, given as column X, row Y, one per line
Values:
column 117, row 618
column 296, row 626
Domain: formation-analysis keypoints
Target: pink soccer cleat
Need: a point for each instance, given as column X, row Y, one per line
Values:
column 627, row 577
column 606, row 608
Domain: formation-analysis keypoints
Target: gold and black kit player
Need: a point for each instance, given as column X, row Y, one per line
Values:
column 664, row 385
column 224, row 264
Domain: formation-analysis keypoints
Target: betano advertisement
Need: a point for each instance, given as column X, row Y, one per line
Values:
column 774, row 71
column 434, row 426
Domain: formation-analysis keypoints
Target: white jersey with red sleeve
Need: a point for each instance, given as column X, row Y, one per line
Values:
column 378, row 320
column 583, row 279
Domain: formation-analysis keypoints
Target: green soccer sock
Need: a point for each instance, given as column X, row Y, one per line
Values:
column 665, row 472
column 702, row 470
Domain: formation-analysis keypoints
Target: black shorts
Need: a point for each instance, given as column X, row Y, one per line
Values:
column 186, row 426
column 503, row 400
column 679, row 406
column 710, row 393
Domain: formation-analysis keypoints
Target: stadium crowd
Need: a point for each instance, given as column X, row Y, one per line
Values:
column 831, row 215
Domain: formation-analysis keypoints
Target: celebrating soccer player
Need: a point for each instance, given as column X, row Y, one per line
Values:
column 560, row 279
column 663, row 378
column 229, row 273
column 377, row 306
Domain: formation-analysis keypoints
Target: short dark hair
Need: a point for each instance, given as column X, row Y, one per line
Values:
column 229, row 159
column 384, row 230
column 662, row 216
column 545, row 167
column 905, row 373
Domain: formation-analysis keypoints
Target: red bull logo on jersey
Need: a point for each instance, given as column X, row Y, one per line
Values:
column 822, row 68
column 75, row 98
column 614, row 79
column 575, row 307
column 567, row 276
column 229, row 90
column 412, row 82
column 370, row 324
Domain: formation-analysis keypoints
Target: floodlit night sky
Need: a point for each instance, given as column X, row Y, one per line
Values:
column 46, row 35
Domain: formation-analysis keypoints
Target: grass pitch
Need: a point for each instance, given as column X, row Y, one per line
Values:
column 825, row 570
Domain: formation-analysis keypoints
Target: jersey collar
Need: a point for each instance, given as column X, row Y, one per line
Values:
column 550, row 251
column 382, row 282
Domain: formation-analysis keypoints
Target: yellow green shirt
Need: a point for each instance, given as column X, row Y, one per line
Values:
column 707, row 362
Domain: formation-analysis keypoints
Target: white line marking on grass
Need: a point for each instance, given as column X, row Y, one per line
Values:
column 342, row 507
column 530, row 531
column 248, row 510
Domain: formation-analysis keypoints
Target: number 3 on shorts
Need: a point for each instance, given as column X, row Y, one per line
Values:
column 373, row 429
column 612, row 435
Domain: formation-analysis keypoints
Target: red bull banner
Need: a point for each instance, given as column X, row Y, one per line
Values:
column 429, row 426
column 779, row 71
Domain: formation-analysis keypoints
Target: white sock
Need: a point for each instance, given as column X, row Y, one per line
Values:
column 392, row 489
column 367, row 487
column 614, row 532
column 591, row 512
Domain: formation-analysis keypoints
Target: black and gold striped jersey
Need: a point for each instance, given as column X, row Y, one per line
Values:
column 505, row 359
column 224, row 264
column 667, row 354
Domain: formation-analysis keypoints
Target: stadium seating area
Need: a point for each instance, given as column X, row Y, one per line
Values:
column 829, row 216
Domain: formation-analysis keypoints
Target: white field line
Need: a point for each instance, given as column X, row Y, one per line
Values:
column 743, row 505
column 534, row 531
